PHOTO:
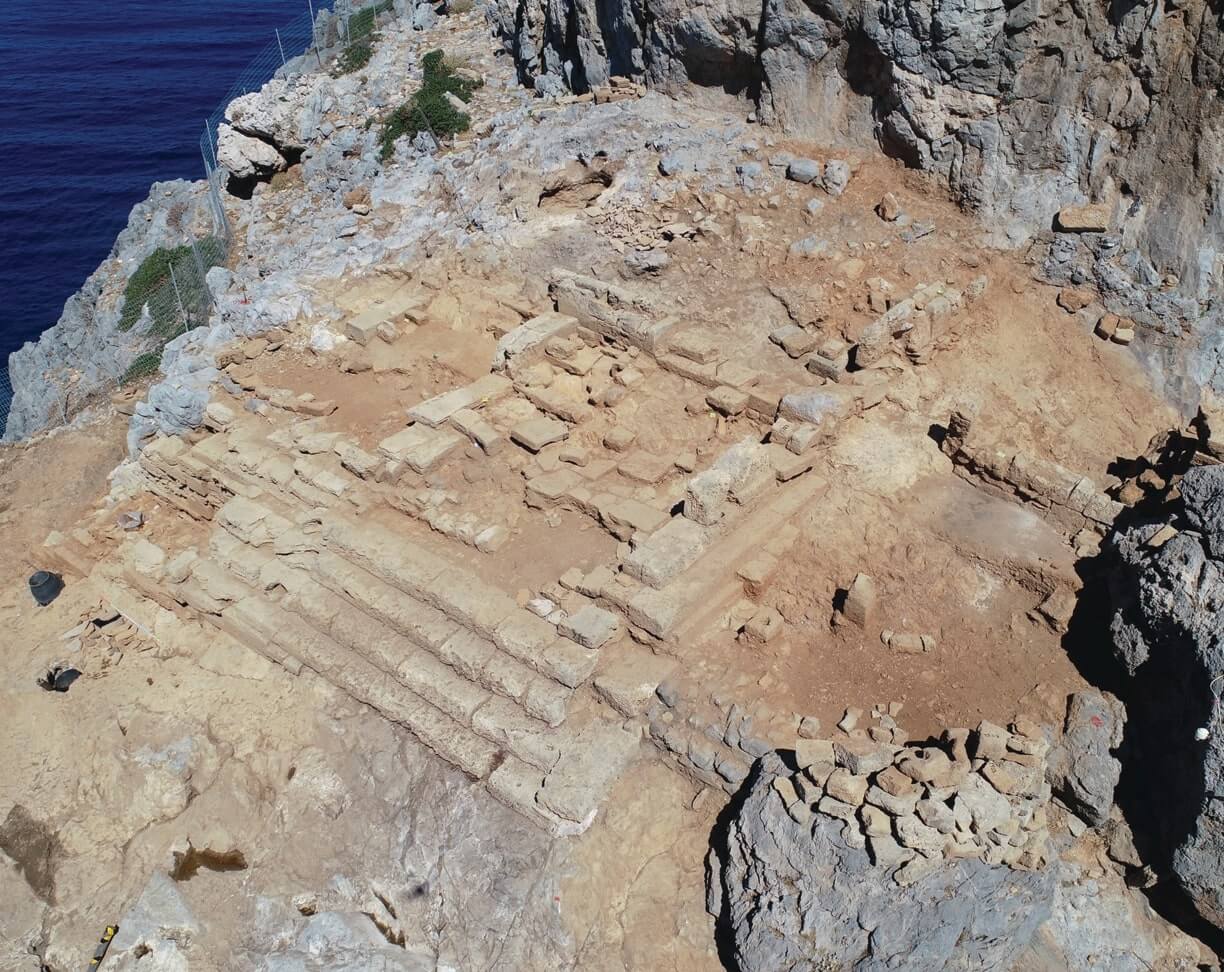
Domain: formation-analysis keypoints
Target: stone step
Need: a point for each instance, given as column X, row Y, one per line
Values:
column 459, row 682
column 515, row 784
column 499, row 663
column 525, row 641
column 281, row 636
column 65, row 555
column 466, row 655
column 290, row 480
column 461, row 596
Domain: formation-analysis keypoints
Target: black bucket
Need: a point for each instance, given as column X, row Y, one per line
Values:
column 45, row 586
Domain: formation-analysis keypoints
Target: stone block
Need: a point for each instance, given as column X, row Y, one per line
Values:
column 559, row 402
column 897, row 806
column 914, row 870
column 988, row 741
column 357, row 461
column 914, row 834
column 787, row 465
column 812, row 751
column 785, row 788
column 528, row 339
column 932, row 766
column 833, row 807
column 619, row 438
column 757, row 573
column 472, row 424
column 818, row 406
column 467, row 653
column 886, row 852
column 625, row 516
column 731, row 768
column 461, row 595
column 491, row 539
column 937, row 815
column 551, row 489
column 845, row 786
column 861, row 756
column 667, row 552
column 645, row 468
column 590, row 626
column 656, row 612
column 700, row 346
column 763, row 627
column 876, row 823
column 805, row 171
column 437, row 410
column 1012, row 779
column 703, row 374
column 535, row 434
column 987, row 807
column 707, row 496
column 860, row 603
column 831, row 368
column 631, row 680
column 763, row 401
column 727, row 400
column 797, row 341
column 362, row 329
column 1088, row 218
column 422, row 449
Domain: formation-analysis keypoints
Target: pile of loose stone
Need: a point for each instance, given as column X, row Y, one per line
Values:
column 979, row 794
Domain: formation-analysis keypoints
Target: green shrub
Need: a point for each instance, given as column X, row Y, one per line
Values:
column 144, row 365
column 362, row 23
column 152, row 284
column 360, row 37
column 429, row 110
column 354, row 57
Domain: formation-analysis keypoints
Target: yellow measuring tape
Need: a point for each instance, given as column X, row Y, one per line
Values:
column 103, row 945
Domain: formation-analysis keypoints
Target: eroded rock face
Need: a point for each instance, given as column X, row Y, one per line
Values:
column 1022, row 107
column 797, row 897
column 1168, row 629
column 85, row 351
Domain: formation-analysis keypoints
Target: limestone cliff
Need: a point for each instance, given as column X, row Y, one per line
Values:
column 85, row 352
column 1169, row 636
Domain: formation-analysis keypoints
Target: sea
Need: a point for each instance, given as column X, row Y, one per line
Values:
column 98, row 99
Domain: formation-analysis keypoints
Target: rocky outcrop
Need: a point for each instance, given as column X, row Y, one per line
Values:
column 1022, row 107
column 797, row 896
column 1168, row 632
column 84, row 353
column 1083, row 771
column 265, row 131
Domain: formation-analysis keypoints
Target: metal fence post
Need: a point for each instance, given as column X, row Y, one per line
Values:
column 281, row 47
column 314, row 32
column 208, row 140
column 177, row 296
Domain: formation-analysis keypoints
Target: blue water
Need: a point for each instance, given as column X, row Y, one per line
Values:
column 99, row 98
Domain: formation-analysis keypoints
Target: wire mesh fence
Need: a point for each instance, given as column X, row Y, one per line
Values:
column 168, row 294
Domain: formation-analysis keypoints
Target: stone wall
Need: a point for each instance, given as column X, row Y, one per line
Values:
column 793, row 892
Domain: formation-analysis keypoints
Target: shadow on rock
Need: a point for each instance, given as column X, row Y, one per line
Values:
column 1147, row 629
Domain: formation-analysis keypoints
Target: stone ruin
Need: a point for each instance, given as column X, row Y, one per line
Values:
column 980, row 794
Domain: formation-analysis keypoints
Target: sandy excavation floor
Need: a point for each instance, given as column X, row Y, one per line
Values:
column 277, row 572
